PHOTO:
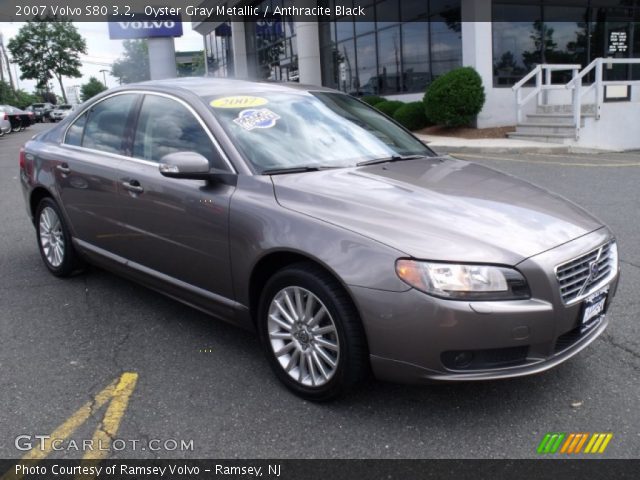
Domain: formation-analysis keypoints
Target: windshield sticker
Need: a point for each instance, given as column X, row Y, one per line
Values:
column 241, row 101
column 252, row 118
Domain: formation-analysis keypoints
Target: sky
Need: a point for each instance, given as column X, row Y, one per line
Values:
column 101, row 51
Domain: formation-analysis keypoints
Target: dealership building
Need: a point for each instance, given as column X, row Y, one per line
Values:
column 405, row 44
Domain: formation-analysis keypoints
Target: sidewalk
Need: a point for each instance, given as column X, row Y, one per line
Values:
column 490, row 145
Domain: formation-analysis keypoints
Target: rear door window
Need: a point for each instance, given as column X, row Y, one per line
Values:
column 106, row 124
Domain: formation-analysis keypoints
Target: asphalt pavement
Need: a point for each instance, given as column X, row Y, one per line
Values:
column 206, row 384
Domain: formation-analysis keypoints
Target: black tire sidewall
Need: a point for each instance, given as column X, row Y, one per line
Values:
column 68, row 264
column 322, row 288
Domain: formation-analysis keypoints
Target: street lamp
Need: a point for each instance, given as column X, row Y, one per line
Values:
column 104, row 76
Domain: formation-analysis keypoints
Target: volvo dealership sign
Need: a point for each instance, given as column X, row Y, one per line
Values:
column 145, row 27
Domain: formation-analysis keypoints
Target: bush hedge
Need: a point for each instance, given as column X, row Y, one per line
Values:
column 412, row 116
column 389, row 107
column 455, row 98
column 372, row 99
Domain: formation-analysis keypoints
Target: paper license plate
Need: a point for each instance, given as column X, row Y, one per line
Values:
column 594, row 306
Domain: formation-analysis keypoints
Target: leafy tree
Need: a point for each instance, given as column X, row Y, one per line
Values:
column 92, row 88
column 133, row 66
column 48, row 47
column 17, row 98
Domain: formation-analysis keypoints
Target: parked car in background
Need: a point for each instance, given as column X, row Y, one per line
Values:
column 5, row 123
column 19, row 119
column 42, row 111
column 61, row 112
column 305, row 214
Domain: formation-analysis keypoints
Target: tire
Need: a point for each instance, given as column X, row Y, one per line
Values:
column 322, row 355
column 54, row 240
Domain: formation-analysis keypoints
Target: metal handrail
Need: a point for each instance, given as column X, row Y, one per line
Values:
column 598, row 84
column 574, row 84
column 542, row 84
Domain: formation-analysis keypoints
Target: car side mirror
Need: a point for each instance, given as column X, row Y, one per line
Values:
column 192, row 166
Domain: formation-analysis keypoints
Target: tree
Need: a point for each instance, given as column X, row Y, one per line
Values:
column 46, row 48
column 133, row 66
column 92, row 88
column 17, row 98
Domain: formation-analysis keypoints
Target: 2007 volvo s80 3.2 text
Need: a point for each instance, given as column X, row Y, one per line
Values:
column 308, row 216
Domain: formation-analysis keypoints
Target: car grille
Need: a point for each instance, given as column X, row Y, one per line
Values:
column 580, row 276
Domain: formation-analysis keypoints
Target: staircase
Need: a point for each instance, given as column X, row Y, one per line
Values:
column 552, row 124
column 558, row 113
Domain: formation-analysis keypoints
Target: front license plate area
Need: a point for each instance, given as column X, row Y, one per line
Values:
column 593, row 308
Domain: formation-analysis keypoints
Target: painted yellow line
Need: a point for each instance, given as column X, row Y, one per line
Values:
column 118, row 393
column 542, row 162
column 596, row 445
column 607, row 439
column 113, row 416
column 591, row 442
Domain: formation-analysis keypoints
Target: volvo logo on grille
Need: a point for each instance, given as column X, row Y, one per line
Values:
column 594, row 269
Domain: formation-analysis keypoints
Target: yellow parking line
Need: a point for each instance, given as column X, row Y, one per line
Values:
column 112, row 417
column 117, row 394
column 542, row 162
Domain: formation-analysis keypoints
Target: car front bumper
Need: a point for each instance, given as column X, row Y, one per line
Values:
column 414, row 337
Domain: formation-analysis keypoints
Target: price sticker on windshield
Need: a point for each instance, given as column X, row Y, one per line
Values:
column 256, row 118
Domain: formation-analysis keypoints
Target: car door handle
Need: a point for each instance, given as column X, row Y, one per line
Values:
column 63, row 168
column 133, row 186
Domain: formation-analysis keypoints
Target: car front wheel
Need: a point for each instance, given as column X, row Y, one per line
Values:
column 54, row 240
column 311, row 333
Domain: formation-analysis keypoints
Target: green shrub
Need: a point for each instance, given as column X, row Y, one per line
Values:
column 389, row 107
column 455, row 98
column 412, row 116
column 372, row 99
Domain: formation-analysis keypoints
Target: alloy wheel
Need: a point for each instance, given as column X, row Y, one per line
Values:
column 303, row 336
column 51, row 237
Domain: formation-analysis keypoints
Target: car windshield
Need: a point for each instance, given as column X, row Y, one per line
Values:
column 288, row 130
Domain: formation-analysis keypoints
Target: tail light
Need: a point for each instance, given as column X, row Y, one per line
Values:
column 6, row 116
column 23, row 160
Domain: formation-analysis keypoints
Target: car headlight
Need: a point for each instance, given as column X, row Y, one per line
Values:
column 463, row 281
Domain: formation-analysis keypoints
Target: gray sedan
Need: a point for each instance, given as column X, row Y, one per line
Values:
column 306, row 215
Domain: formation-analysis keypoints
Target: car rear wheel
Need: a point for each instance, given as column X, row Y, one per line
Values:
column 54, row 240
column 311, row 333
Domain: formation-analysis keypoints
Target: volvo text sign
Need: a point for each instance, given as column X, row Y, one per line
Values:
column 145, row 27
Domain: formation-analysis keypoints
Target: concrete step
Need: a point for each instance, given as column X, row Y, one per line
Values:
column 557, row 118
column 557, row 138
column 546, row 129
column 586, row 108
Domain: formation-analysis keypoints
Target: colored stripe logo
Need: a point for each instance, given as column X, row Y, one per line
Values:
column 574, row 443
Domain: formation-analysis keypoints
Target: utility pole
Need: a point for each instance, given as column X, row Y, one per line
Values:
column 104, row 76
column 4, row 62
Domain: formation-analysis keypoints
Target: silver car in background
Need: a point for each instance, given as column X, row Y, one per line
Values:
column 60, row 112
column 306, row 215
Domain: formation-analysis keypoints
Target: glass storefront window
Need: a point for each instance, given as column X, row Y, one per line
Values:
column 529, row 33
column 416, row 71
column 389, row 58
column 401, row 52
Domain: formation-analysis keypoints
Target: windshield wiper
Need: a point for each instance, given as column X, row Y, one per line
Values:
column 394, row 158
column 282, row 171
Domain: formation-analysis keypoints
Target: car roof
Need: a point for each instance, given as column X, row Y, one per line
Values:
column 208, row 86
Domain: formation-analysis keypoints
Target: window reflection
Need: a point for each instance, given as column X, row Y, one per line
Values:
column 410, row 44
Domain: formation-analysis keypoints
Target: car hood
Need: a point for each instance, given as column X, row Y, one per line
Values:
column 439, row 209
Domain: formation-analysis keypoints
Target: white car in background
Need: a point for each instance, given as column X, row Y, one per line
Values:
column 5, row 124
column 61, row 112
